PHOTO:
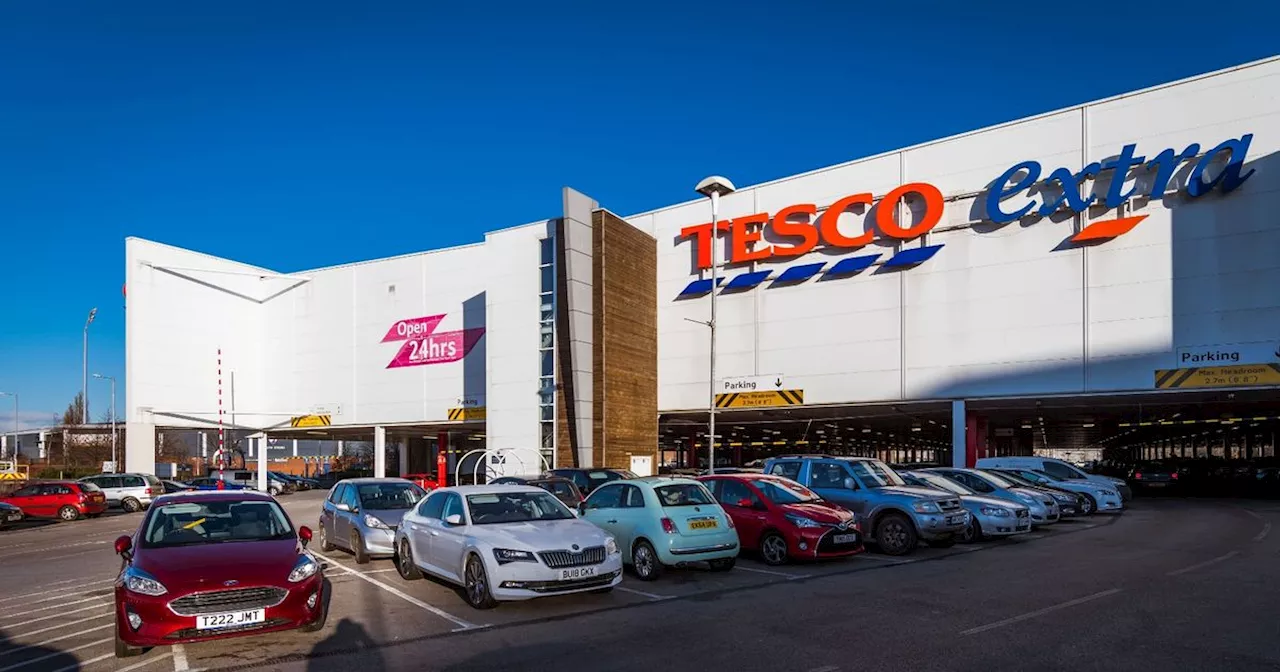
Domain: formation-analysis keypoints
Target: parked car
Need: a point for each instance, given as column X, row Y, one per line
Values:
column 211, row 483
column 361, row 515
column 737, row 470
column 988, row 516
column 249, row 479
column 563, row 488
column 63, row 500
column 783, row 520
column 175, row 486
column 894, row 515
column 1044, row 509
column 1070, row 503
column 660, row 521
column 1091, row 495
column 182, row 582
column 590, row 479
column 9, row 514
column 131, row 492
column 505, row 542
column 1057, row 469
column 1153, row 477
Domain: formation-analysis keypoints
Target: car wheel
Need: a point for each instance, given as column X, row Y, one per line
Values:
column 971, row 532
column 68, row 514
column 722, row 564
column 1090, row 505
column 895, row 535
column 773, row 549
column 404, row 562
column 325, row 545
column 131, row 505
column 476, row 585
column 357, row 549
column 123, row 650
column 645, row 562
column 318, row 624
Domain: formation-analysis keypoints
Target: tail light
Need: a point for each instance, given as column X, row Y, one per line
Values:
column 1137, row 475
column 730, row 521
column 668, row 526
column 1174, row 475
column 151, row 492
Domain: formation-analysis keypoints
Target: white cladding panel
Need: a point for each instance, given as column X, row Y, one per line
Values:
column 1002, row 310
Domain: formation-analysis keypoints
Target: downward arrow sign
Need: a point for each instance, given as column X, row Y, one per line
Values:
column 778, row 382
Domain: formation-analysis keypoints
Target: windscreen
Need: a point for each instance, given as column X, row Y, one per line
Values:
column 191, row 523
column 779, row 491
column 515, row 507
column 944, row 483
column 389, row 496
column 683, row 494
column 874, row 473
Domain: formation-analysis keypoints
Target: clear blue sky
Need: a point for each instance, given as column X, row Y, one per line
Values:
column 298, row 135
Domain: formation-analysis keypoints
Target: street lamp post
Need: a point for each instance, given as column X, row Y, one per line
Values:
column 84, row 380
column 115, row 466
column 15, row 427
column 713, row 187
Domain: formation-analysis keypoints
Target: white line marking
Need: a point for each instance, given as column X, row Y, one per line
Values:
column 1040, row 612
column 53, row 655
column 57, row 639
column 769, row 571
column 146, row 662
column 55, row 627
column 52, row 548
column 379, row 571
column 102, row 605
column 179, row 658
column 402, row 595
column 1266, row 529
column 1206, row 563
column 80, row 665
column 55, row 590
column 642, row 593
column 54, row 606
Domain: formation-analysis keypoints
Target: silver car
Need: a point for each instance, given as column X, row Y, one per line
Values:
column 362, row 515
column 989, row 516
column 131, row 492
column 1044, row 510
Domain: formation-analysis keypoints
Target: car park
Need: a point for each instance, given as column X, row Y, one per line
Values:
column 590, row 479
column 61, row 500
column 988, row 516
column 660, row 521
column 1044, row 508
column 505, row 542
column 131, row 492
column 362, row 515
column 208, row 565
column 563, row 488
column 1056, row 468
column 895, row 516
column 783, row 520
column 1091, row 496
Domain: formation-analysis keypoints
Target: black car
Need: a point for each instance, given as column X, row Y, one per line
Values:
column 9, row 514
column 1154, row 476
column 590, row 479
column 1070, row 504
column 563, row 488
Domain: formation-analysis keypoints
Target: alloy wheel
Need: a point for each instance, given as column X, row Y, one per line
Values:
column 68, row 513
column 894, row 535
column 968, row 534
column 774, row 549
column 643, row 561
column 477, row 589
column 1086, row 507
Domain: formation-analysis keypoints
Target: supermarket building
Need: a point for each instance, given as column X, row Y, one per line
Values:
column 1099, row 278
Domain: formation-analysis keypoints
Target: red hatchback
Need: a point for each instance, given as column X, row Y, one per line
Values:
column 214, row 564
column 64, row 500
column 784, row 520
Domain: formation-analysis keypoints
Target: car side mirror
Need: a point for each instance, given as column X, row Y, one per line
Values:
column 582, row 508
column 304, row 535
column 453, row 519
column 850, row 484
column 124, row 547
column 342, row 506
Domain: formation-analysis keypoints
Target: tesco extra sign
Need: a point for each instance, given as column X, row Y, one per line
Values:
column 1026, row 189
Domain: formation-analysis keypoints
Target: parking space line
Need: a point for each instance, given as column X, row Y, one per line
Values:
column 55, row 590
column 55, row 627
column 58, row 639
column 642, row 593
column 179, row 658
column 1206, row 563
column 146, row 662
column 51, row 548
column 54, row 655
column 403, row 595
column 1040, row 612
column 1263, row 534
column 101, row 605
column 771, row 572
column 80, row 665
column 54, row 606
column 380, row 571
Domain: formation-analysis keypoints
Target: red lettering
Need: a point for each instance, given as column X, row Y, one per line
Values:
column 803, row 230
column 702, row 240
column 888, row 223
column 829, row 220
column 740, row 235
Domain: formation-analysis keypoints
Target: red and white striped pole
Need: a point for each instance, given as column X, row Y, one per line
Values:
column 222, row 455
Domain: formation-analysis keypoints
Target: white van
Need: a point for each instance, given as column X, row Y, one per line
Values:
column 1057, row 469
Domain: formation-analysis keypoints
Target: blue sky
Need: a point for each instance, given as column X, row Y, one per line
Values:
column 299, row 135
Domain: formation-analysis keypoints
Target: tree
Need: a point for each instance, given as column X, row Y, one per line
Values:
column 105, row 418
column 74, row 414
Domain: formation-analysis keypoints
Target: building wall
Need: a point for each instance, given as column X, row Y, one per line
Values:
column 1000, row 310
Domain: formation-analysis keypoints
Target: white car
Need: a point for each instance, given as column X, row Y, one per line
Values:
column 505, row 543
column 1057, row 469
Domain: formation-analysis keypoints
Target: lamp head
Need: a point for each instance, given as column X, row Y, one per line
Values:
column 715, row 185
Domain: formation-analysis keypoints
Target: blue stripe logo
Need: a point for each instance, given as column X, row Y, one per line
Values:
column 844, row 268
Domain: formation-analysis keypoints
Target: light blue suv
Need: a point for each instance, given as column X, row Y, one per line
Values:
column 897, row 515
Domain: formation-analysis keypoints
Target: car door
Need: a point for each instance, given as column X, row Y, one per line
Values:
column 448, row 541
column 328, row 510
column 634, row 515
column 423, row 527
column 830, row 479
column 601, row 509
column 747, row 509
column 26, row 499
column 344, row 521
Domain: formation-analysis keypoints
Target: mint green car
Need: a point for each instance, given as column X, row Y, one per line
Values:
column 660, row 522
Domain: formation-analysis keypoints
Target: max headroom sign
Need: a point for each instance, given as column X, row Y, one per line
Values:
column 1025, row 190
column 423, row 345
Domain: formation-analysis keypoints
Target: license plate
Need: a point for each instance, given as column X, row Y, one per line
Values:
column 577, row 573
column 703, row 524
column 14, row 516
column 1156, row 485
column 230, row 619
column 845, row 539
column 955, row 520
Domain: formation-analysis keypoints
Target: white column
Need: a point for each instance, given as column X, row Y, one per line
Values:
column 958, row 438
column 295, row 447
column 204, row 445
column 262, row 462
column 339, row 447
column 379, row 452
column 139, row 447
column 403, row 446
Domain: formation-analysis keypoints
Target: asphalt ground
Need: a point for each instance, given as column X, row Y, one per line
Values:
column 1179, row 584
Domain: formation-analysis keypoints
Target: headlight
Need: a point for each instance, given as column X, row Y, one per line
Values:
column 372, row 521
column 996, row 511
column 926, row 507
column 304, row 568
column 801, row 521
column 138, row 581
column 610, row 546
column 505, row 555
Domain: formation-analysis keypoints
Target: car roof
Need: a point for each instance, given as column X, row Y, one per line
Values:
column 489, row 489
column 215, row 496
column 370, row 480
column 656, row 481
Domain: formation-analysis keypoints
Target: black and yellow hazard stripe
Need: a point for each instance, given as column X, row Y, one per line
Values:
column 760, row 399
column 311, row 421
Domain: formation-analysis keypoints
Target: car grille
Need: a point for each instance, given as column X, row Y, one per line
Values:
column 1023, row 513
column 949, row 504
column 559, row 559
column 215, row 602
column 561, row 586
column 827, row 543
column 192, row 633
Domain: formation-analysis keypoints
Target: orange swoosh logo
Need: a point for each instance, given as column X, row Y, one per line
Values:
column 1110, row 228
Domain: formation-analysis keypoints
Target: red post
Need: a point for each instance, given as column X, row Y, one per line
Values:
column 975, row 438
column 442, row 459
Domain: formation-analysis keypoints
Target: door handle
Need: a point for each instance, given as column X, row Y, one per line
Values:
column 435, row 533
column 610, row 521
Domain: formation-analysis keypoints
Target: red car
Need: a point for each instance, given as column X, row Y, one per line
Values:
column 64, row 500
column 214, row 564
column 784, row 520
